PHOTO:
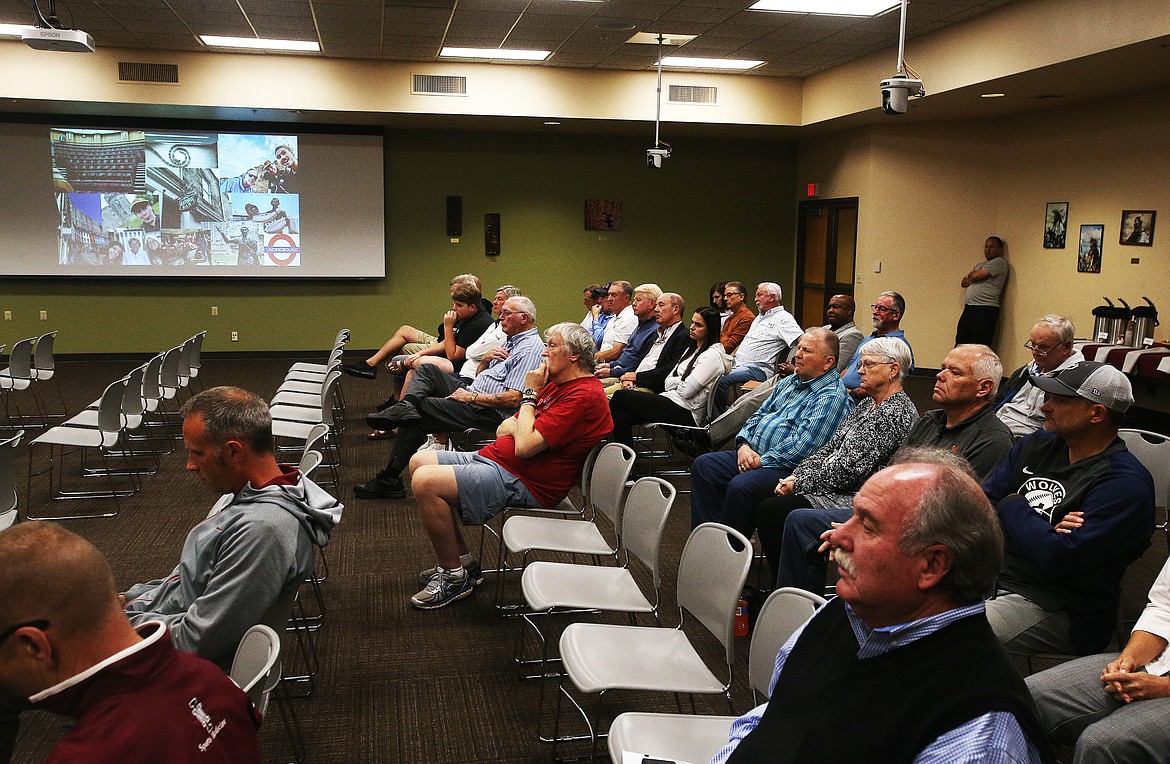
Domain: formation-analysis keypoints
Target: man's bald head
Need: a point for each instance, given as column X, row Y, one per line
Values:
column 54, row 575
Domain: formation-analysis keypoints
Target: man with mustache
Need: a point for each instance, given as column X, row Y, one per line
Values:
column 903, row 660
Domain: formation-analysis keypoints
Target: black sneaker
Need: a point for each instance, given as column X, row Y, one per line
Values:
column 362, row 370
column 380, row 488
column 402, row 412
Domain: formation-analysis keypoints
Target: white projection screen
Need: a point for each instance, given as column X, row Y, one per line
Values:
column 141, row 202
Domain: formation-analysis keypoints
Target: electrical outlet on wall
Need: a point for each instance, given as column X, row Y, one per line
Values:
column 8, row 315
column 235, row 336
column 44, row 315
column 215, row 310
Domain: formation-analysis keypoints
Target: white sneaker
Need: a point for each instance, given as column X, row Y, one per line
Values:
column 433, row 444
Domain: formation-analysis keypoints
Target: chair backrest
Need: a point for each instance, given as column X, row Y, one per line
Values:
column 310, row 460
column 1153, row 451
column 256, row 666
column 43, row 363
column 168, row 374
column 607, row 481
column 151, row 393
column 327, row 393
column 195, row 361
column 109, row 416
column 186, row 350
column 8, row 499
column 711, row 575
column 316, row 437
column 780, row 616
column 728, row 424
column 644, row 518
column 133, row 402
column 20, row 360
column 709, row 411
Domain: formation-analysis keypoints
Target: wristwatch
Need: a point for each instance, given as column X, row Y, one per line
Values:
column 474, row 396
column 528, row 393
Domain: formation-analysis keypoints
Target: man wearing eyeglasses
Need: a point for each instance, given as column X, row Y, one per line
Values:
column 241, row 184
column 735, row 326
column 887, row 320
column 1052, row 350
column 66, row 647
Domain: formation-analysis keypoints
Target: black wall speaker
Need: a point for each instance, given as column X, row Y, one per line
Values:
column 491, row 234
column 454, row 215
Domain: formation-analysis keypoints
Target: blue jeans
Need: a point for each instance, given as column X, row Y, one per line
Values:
column 736, row 376
column 798, row 563
column 720, row 493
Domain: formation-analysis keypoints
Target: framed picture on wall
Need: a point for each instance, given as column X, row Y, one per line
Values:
column 603, row 215
column 1055, row 224
column 1089, row 251
column 1137, row 227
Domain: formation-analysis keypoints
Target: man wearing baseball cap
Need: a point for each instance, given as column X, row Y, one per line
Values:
column 1076, row 509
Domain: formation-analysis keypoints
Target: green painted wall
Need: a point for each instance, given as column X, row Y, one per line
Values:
column 717, row 210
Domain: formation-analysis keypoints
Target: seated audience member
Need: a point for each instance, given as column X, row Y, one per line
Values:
column 716, row 300
column 901, row 666
column 67, row 648
column 462, row 326
column 1114, row 707
column 618, row 301
column 492, row 337
column 772, row 333
column 840, row 316
column 437, row 402
column 738, row 318
column 406, row 340
column 639, row 343
column 887, row 320
column 965, row 424
column 687, row 387
column 1051, row 343
column 666, row 347
column 798, row 417
column 601, row 315
column 592, row 296
column 256, row 545
column 1058, row 592
column 535, row 459
column 863, row 444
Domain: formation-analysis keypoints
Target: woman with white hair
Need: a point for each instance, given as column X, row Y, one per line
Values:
column 863, row 444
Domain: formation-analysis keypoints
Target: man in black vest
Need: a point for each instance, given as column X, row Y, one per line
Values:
column 902, row 666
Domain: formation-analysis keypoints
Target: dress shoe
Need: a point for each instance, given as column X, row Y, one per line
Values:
column 362, row 370
column 379, row 487
column 402, row 412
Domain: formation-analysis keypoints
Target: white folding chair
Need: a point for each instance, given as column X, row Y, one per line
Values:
column 256, row 665
column 8, row 497
column 525, row 534
column 18, row 377
column 687, row 737
column 553, row 587
column 600, row 657
column 1153, row 451
column 45, row 369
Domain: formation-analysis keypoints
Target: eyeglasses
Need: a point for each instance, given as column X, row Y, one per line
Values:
column 1038, row 350
column 40, row 624
column 731, row 294
column 871, row 364
column 882, row 309
column 506, row 313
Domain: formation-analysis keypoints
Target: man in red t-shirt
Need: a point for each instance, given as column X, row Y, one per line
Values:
column 534, row 461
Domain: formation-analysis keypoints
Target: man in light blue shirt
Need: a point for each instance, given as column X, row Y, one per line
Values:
column 902, row 665
column 887, row 319
column 801, row 414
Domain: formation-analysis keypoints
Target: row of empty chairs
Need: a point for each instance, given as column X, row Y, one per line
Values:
column 29, row 368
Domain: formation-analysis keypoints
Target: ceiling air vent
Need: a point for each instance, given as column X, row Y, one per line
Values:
column 692, row 94
column 167, row 74
column 439, row 84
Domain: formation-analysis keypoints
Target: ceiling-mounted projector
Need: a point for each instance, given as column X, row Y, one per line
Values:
column 68, row 40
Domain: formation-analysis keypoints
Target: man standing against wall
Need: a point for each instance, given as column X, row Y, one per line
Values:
column 984, row 285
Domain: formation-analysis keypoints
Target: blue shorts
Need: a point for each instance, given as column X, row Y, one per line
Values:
column 485, row 487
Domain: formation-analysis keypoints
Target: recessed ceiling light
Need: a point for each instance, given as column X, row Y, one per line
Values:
column 993, row 95
column 513, row 55
column 258, row 43
column 827, row 7
column 651, row 38
column 709, row 63
column 12, row 30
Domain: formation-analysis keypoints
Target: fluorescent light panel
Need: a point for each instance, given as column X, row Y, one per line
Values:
column 258, row 43
column 511, row 54
column 12, row 30
column 709, row 63
column 827, row 7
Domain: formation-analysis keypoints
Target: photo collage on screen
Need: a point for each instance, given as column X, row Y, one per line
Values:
column 169, row 199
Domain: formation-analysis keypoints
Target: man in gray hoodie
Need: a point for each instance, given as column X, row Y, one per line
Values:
column 242, row 565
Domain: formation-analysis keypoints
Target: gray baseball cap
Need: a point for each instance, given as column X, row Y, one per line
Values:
column 1095, row 382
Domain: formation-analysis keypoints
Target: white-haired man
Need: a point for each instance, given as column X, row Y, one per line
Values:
column 772, row 332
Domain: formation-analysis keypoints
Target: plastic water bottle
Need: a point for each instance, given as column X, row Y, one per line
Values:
column 741, row 619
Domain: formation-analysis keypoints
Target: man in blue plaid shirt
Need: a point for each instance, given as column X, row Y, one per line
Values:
column 800, row 415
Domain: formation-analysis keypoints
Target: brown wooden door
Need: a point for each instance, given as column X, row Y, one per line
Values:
column 826, row 256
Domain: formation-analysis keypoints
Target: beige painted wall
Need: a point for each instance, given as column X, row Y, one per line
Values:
column 929, row 195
